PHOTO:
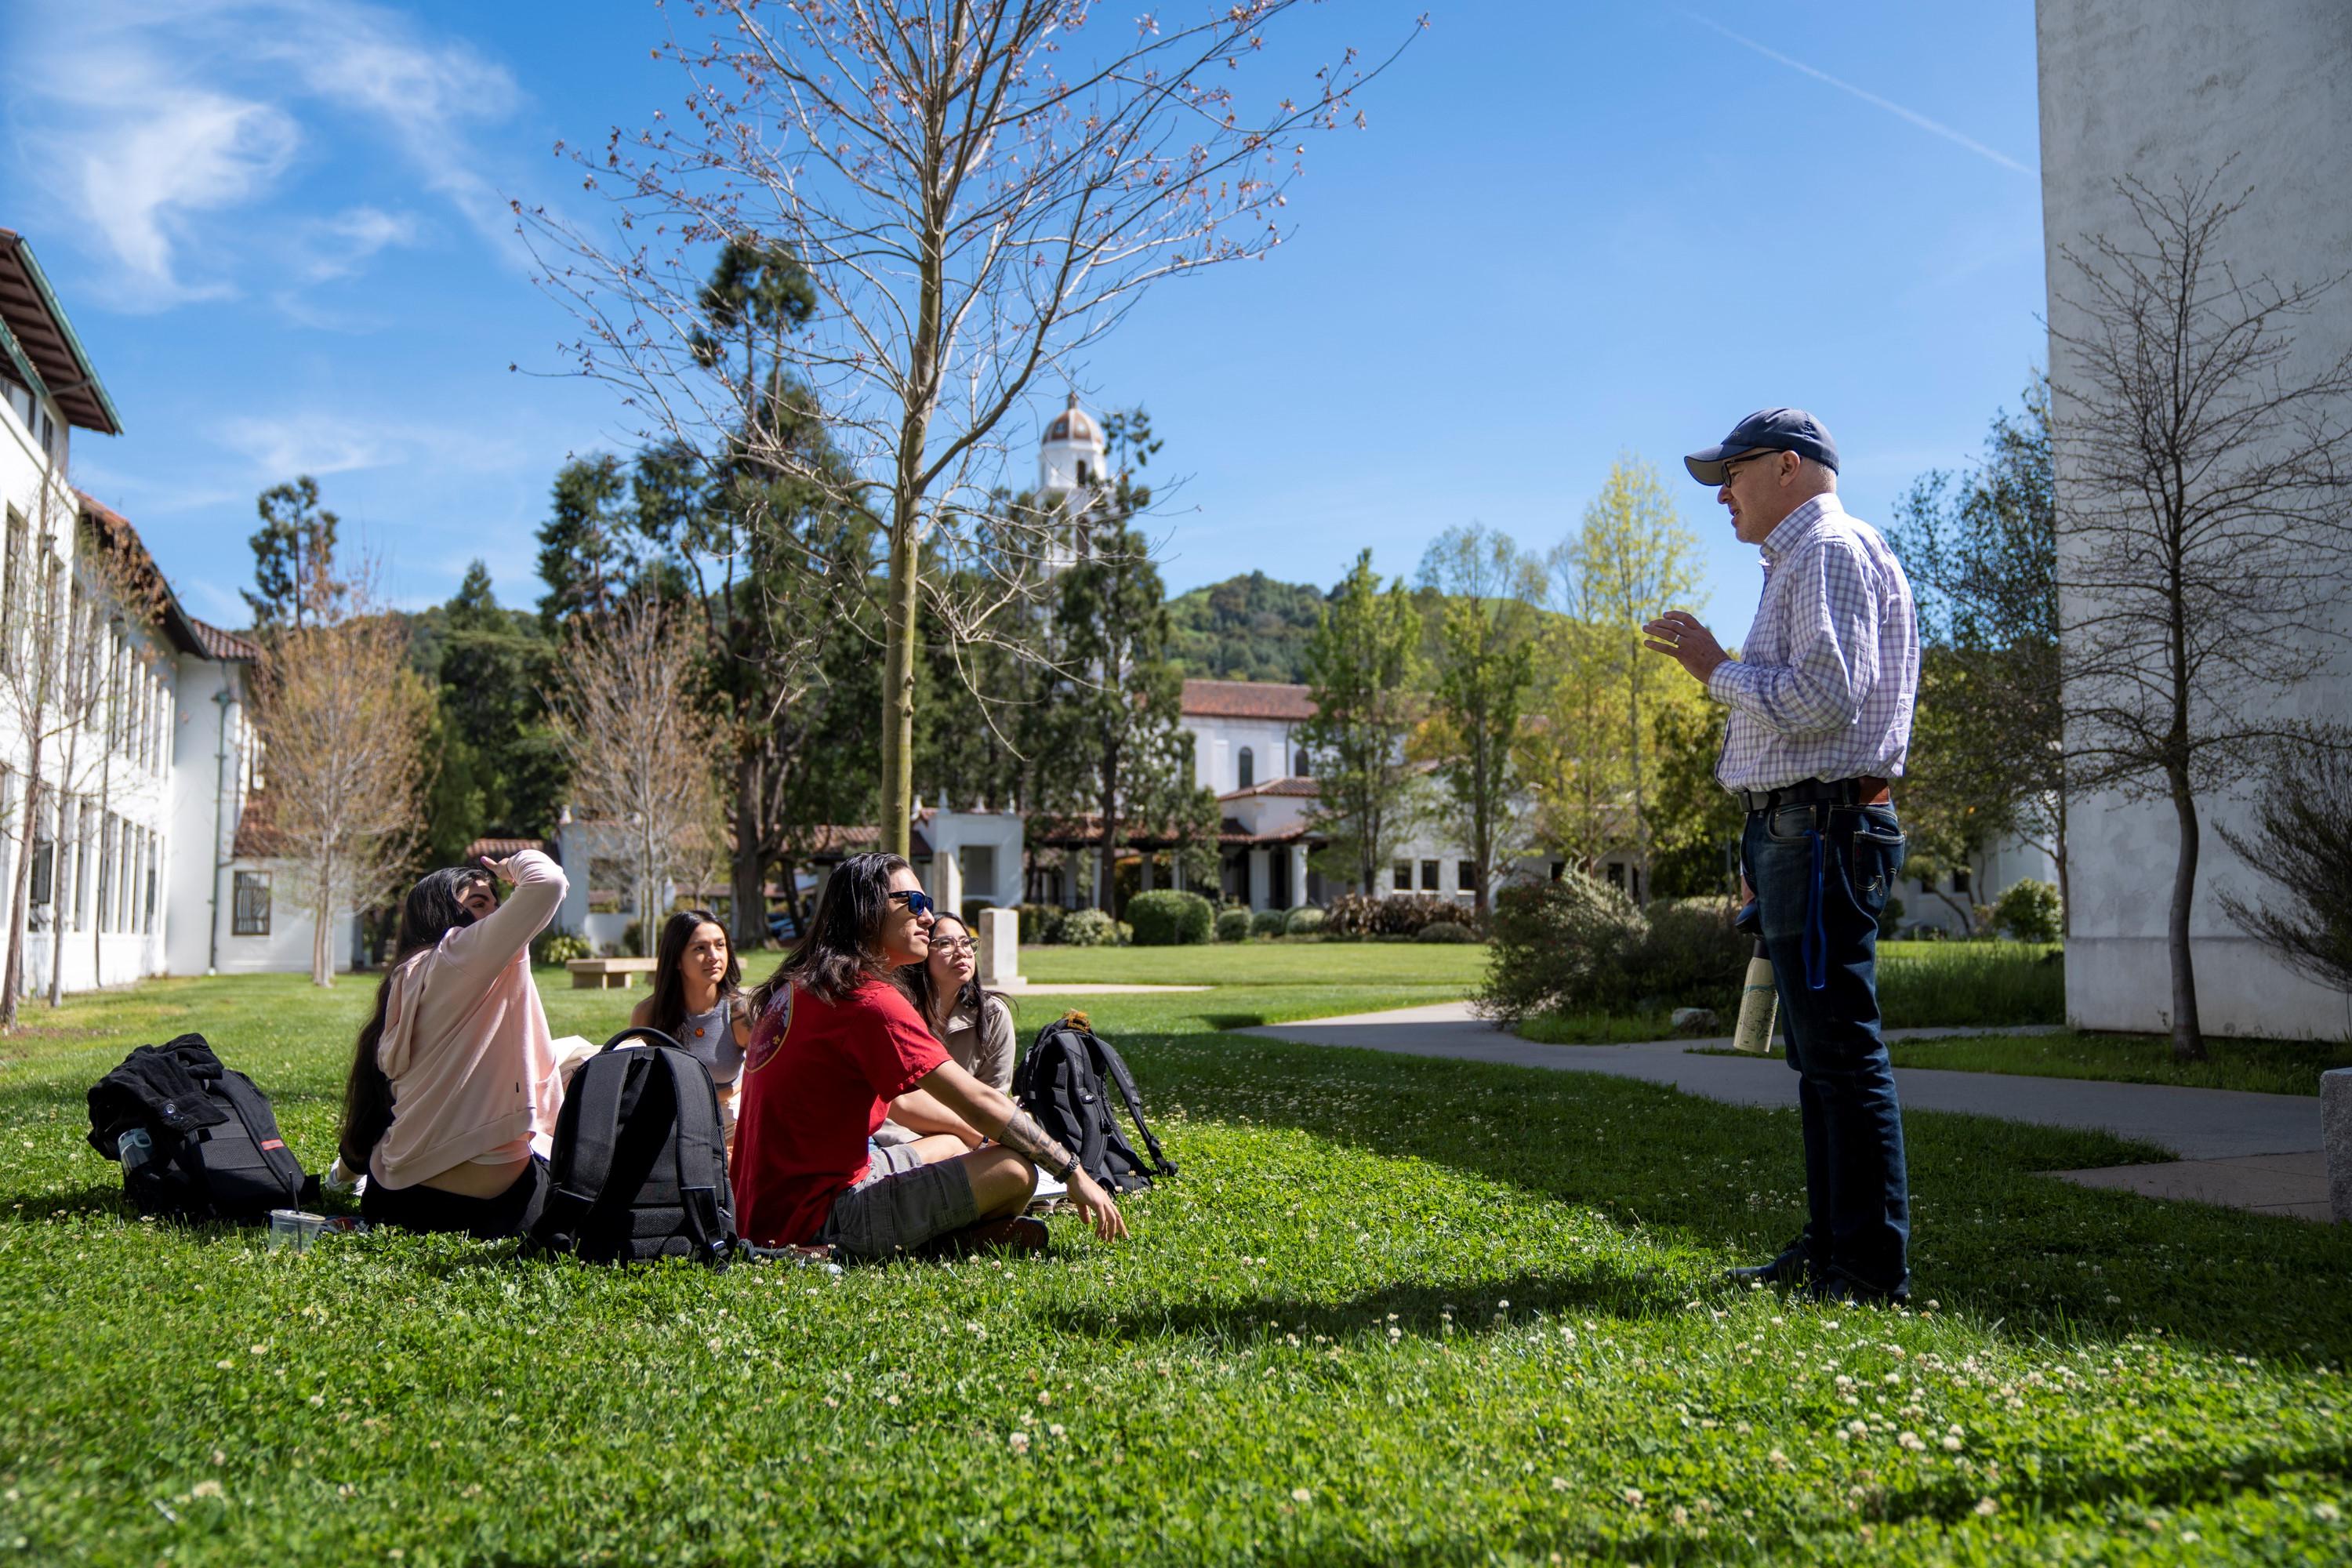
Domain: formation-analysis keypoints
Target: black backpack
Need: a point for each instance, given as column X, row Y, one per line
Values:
column 639, row 1171
column 214, row 1151
column 1061, row 1084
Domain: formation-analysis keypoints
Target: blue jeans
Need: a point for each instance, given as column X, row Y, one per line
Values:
column 1821, row 876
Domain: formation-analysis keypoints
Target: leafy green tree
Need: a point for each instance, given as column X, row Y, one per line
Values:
column 1483, row 667
column 1362, row 664
column 1695, row 823
column 501, row 774
column 1982, row 550
column 584, row 556
column 294, row 581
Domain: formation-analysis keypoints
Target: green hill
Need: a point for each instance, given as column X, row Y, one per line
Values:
column 1245, row 628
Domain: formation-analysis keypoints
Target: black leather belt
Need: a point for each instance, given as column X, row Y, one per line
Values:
column 1862, row 790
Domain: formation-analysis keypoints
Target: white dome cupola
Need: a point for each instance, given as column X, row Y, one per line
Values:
column 1070, row 457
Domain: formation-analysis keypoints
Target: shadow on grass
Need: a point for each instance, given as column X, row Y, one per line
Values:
column 1425, row 1311
column 1233, row 1020
column 1989, row 1234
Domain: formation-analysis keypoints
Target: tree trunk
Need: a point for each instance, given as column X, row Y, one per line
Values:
column 898, row 684
column 1105, row 899
column 747, row 886
column 12, row 982
column 2188, row 1032
column 322, row 937
column 58, row 883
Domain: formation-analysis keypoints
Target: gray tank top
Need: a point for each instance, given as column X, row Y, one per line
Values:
column 710, row 1038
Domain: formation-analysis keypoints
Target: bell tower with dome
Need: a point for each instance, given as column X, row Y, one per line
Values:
column 1070, row 457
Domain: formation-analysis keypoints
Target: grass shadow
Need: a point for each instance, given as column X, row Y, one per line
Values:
column 1425, row 1311
column 1990, row 1235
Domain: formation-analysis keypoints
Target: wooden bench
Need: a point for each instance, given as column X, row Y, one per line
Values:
column 607, row 974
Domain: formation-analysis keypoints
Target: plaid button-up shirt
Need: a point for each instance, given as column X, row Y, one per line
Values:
column 1824, row 685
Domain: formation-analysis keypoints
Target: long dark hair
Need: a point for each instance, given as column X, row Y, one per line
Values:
column 670, row 986
column 920, row 981
column 430, row 912
column 837, row 955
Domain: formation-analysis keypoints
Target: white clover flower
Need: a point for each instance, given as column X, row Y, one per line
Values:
column 1301, row 1494
column 1987, row 1508
column 1952, row 1444
column 1634, row 1497
column 1910, row 1440
column 1019, row 1442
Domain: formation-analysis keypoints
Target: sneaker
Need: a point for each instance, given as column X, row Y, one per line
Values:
column 1017, row 1234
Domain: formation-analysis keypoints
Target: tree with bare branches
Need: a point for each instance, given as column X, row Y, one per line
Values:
column 978, row 192
column 2205, row 519
column 342, row 721
column 641, row 748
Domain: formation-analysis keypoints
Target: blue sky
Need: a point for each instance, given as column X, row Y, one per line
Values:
column 1569, row 230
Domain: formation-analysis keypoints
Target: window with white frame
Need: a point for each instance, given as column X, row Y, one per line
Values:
column 250, row 917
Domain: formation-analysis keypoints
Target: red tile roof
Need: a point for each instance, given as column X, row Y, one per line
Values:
column 501, row 849
column 1247, row 700
column 1288, row 789
column 219, row 644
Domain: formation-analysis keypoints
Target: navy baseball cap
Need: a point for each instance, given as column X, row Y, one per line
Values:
column 1767, row 429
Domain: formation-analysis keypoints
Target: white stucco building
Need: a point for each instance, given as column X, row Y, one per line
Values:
column 144, row 857
column 2160, row 91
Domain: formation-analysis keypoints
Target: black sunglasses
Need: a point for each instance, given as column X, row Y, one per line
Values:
column 918, row 903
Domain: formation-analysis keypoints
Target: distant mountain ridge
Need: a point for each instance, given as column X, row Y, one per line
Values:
column 1249, row 628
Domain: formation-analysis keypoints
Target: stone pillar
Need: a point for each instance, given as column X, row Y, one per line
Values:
column 1261, row 874
column 1298, row 875
column 2335, row 1125
column 947, row 881
column 1143, row 878
column 1000, row 947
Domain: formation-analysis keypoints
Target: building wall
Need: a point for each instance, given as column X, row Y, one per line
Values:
column 2159, row 89
column 1217, row 748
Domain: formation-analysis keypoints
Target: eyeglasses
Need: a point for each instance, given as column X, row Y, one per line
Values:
column 955, row 944
column 918, row 903
column 1732, row 463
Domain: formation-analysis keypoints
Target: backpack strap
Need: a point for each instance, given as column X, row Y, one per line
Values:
column 1109, row 1062
column 595, row 1136
column 708, row 1225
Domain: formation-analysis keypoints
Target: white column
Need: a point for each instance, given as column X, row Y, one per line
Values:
column 1261, row 872
column 1298, row 875
column 947, row 881
column 1000, row 947
column 1143, row 881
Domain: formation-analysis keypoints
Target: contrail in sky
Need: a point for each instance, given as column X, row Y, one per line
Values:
column 1921, row 120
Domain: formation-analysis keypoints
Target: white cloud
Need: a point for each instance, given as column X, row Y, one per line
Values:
column 280, row 449
column 154, row 123
column 340, row 246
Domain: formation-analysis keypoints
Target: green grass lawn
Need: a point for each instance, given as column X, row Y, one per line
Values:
column 1393, row 1311
column 2269, row 1067
column 1921, row 986
column 1457, row 968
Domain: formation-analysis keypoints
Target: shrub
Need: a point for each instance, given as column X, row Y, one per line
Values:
column 632, row 939
column 1391, row 914
column 1233, row 925
column 1890, row 920
column 1577, row 945
column 1167, row 918
column 1089, row 928
column 1042, row 923
column 560, row 947
column 1303, row 921
column 1266, row 923
column 2028, row 910
column 1445, row 932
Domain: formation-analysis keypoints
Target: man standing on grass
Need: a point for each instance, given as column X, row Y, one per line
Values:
column 1820, row 701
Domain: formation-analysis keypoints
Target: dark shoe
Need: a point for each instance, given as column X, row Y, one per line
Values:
column 1018, row 1234
column 1790, row 1268
column 1845, row 1290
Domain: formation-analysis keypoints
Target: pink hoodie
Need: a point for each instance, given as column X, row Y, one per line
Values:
column 466, row 1042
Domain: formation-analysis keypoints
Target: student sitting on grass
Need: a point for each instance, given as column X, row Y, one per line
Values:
column 975, row 1026
column 835, row 1043
column 699, row 1002
column 456, row 1070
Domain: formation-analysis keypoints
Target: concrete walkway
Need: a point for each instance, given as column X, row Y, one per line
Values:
column 2225, row 1138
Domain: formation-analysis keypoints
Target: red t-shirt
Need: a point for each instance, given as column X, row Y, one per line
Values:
column 817, row 1082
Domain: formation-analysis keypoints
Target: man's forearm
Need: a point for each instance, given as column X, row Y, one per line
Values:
column 1023, row 1136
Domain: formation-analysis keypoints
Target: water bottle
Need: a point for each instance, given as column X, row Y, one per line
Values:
column 134, row 1148
column 1759, row 1003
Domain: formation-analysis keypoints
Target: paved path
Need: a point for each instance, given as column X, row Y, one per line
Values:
column 2224, row 1133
